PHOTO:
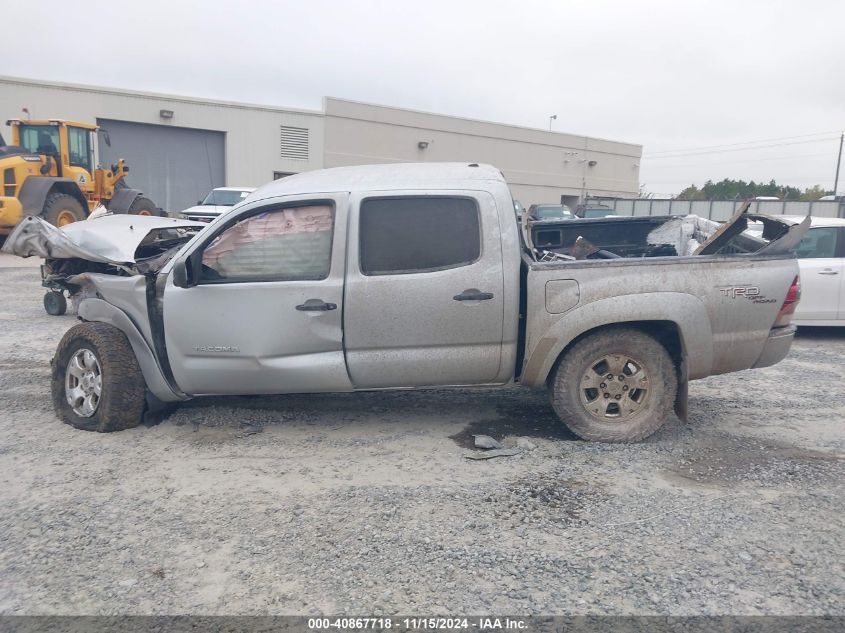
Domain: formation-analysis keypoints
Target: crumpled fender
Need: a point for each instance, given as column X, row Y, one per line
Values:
column 92, row 309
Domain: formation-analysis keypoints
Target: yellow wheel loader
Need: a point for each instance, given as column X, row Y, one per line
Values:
column 49, row 170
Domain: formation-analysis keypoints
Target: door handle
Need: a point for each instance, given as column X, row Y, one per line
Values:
column 473, row 294
column 316, row 305
column 828, row 271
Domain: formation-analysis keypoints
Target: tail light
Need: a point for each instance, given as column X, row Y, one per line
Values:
column 793, row 296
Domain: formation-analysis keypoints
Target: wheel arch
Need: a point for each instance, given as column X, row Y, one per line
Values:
column 98, row 310
column 680, row 321
column 36, row 189
column 665, row 332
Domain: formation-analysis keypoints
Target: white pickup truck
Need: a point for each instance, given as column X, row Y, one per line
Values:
column 412, row 276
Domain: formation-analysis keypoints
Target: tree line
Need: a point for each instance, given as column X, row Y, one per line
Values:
column 729, row 189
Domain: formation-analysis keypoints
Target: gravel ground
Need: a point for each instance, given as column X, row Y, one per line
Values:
column 364, row 503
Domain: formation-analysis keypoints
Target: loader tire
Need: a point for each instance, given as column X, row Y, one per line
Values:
column 616, row 385
column 143, row 206
column 96, row 383
column 61, row 209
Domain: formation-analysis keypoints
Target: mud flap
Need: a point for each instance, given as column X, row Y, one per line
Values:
column 682, row 394
column 122, row 200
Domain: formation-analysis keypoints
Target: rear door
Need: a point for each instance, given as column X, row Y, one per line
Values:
column 424, row 291
column 822, row 266
column 266, row 313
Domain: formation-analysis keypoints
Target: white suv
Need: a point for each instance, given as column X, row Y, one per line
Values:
column 216, row 202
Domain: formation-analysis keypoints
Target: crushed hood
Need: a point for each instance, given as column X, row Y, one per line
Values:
column 110, row 239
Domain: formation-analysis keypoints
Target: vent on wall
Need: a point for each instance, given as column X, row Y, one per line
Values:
column 294, row 142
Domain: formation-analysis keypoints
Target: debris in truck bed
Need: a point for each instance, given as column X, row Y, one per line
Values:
column 685, row 233
column 584, row 249
column 657, row 236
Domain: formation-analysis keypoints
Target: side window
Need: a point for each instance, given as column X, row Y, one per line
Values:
column 287, row 244
column 79, row 149
column 818, row 242
column 418, row 234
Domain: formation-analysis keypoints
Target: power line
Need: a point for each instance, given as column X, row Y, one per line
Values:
column 763, row 181
column 738, row 149
column 747, row 160
column 765, row 140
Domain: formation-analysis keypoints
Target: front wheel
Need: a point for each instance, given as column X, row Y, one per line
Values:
column 61, row 209
column 96, row 383
column 616, row 385
column 143, row 206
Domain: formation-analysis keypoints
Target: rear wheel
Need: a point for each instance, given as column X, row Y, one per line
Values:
column 96, row 383
column 143, row 206
column 617, row 385
column 61, row 209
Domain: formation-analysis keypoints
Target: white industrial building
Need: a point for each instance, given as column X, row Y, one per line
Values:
column 178, row 148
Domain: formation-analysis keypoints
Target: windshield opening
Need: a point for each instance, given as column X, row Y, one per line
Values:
column 40, row 139
column 224, row 198
column 555, row 211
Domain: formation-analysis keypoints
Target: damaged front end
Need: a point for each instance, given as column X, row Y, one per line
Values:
column 83, row 255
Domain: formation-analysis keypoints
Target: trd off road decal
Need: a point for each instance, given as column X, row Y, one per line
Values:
column 752, row 293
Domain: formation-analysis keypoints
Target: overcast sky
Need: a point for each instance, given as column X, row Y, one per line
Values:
column 699, row 77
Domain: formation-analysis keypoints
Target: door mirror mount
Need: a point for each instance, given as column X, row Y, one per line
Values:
column 183, row 272
column 180, row 274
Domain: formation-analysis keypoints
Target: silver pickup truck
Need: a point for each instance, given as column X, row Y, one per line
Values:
column 412, row 276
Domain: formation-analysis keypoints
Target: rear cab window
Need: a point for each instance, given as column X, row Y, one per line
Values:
column 418, row 234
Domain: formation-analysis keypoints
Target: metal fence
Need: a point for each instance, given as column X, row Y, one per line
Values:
column 720, row 210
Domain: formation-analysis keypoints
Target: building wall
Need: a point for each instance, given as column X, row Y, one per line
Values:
column 252, row 132
column 540, row 166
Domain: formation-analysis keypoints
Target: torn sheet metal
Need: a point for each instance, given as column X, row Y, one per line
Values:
column 111, row 239
column 781, row 237
column 693, row 235
column 788, row 241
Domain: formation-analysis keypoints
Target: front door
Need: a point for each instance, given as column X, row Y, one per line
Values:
column 424, row 295
column 821, row 276
column 265, row 315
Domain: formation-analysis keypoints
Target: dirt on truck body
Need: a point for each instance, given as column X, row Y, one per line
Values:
column 417, row 276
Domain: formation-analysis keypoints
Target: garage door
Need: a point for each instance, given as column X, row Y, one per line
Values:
column 174, row 166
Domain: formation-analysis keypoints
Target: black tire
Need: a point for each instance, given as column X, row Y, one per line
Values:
column 55, row 303
column 61, row 209
column 122, row 399
column 143, row 206
column 642, row 406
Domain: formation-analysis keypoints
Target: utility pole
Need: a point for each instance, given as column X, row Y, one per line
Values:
column 551, row 118
column 838, row 162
